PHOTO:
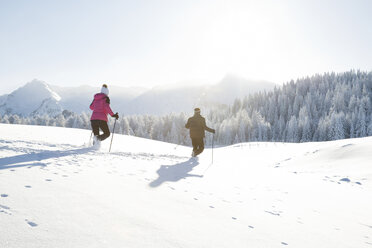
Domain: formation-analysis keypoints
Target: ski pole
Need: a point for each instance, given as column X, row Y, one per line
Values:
column 113, row 131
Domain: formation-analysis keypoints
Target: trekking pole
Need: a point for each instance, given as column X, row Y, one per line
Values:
column 113, row 131
column 212, row 158
column 212, row 147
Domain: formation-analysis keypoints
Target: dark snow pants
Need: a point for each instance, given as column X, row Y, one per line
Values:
column 97, row 125
column 198, row 145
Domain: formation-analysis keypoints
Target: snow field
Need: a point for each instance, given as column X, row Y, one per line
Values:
column 55, row 191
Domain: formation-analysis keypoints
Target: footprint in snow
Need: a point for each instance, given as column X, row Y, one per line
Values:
column 345, row 179
column 28, row 186
column 5, row 210
column 30, row 223
column 4, row 195
column 251, row 227
column 48, row 180
column 347, row 145
column 284, row 243
column 4, row 207
column 211, row 207
column 273, row 213
column 234, row 218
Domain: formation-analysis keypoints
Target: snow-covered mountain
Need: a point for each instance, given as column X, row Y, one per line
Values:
column 78, row 99
column 184, row 98
column 57, row 192
column 37, row 97
column 232, row 87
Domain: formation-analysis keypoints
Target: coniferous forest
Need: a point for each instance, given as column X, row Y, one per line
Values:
column 318, row 108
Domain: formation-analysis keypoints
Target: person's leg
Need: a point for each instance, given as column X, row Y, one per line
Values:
column 106, row 132
column 200, row 146
column 195, row 145
column 95, row 127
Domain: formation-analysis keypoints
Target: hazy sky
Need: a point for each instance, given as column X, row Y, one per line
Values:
column 147, row 43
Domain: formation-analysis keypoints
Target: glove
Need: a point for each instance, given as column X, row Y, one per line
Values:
column 107, row 99
column 116, row 116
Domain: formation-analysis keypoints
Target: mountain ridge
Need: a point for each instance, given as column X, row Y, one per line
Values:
column 31, row 99
column 126, row 100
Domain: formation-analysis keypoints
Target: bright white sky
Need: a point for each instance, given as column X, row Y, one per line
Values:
column 147, row 43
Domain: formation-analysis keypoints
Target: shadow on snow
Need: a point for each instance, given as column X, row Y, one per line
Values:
column 34, row 158
column 174, row 173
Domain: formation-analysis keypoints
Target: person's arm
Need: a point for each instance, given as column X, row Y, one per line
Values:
column 91, row 105
column 211, row 130
column 188, row 124
column 116, row 115
column 108, row 109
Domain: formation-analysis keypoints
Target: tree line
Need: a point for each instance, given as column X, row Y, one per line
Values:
column 319, row 108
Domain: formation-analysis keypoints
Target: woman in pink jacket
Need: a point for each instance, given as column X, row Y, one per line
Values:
column 101, row 107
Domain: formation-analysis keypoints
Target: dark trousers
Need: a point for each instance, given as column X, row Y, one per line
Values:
column 97, row 125
column 198, row 145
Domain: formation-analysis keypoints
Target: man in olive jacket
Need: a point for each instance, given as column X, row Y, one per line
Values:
column 197, row 127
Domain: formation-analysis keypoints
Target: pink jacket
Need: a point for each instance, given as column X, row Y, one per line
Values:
column 100, row 107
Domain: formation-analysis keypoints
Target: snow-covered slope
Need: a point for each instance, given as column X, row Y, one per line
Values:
column 34, row 97
column 56, row 192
